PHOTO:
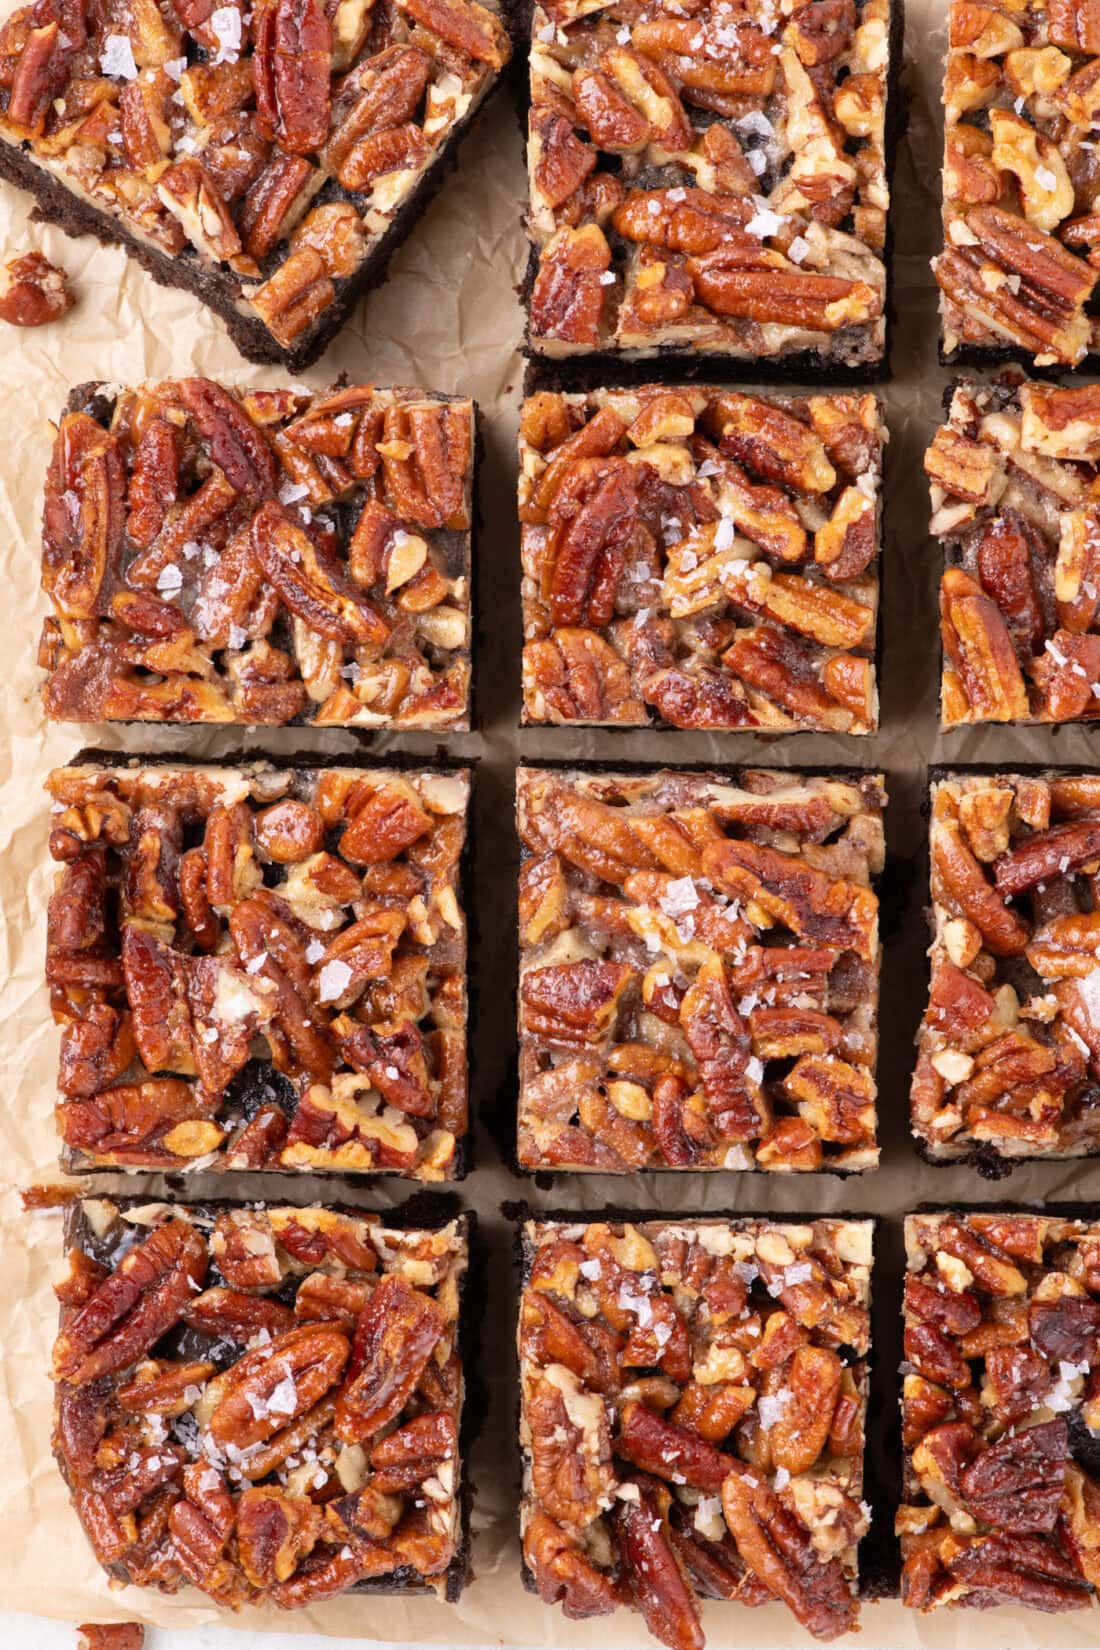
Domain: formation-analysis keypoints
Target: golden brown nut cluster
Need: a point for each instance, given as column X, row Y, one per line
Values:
column 263, row 1403
column 260, row 968
column 1022, row 237
column 701, row 558
column 692, row 1418
column 709, row 178
column 259, row 556
column 699, row 970
column 270, row 148
column 1002, row 1313
column 1010, row 1042
column 1016, row 501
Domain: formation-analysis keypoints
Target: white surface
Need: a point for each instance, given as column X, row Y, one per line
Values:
column 19, row 1632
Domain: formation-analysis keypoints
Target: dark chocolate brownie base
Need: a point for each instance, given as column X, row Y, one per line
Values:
column 428, row 1210
column 56, row 204
column 991, row 358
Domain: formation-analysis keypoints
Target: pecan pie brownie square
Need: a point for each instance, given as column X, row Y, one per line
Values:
column 1013, row 474
column 701, row 558
column 1021, row 231
column 699, row 966
column 260, row 968
column 264, row 1403
column 709, row 184
column 693, row 1398
column 1009, row 1048
column 259, row 556
column 268, row 160
column 999, row 1411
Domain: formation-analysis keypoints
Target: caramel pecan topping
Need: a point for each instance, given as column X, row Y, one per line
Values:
column 274, row 149
column 1002, row 1341
column 1019, row 261
column 209, row 1452
column 1010, row 1043
column 259, row 969
column 265, row 557
column 702, row 558
column 692, row 1418
column 698, row 970
column 1012, row 485
column 711, row 180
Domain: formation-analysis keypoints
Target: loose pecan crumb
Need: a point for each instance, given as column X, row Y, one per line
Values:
column 34, row 291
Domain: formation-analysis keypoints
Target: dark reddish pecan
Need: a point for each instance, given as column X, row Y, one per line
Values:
column 574, row 1004
column 292, row 42
column 83, row 516
column 134, row 1307
column 236, row 445
column 1046, row 855
column 669, row 1451
column 655, row 1575
column 398, row 1330
column 311, row 582
column 592, row 520
column 567, row 299
column 1016, row 1484
column 563, row 160
column 116, row 1635
column 570, row 1449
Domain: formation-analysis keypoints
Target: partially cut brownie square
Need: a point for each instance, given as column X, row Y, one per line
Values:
column 1021, row 232
column 264, row 1403
column 699, row 966
column 710, row 186
column 1000, row 1411
column 1013, row 477
column 260, row 968
column 693, row 1397
column 268, row 160
column 259, row 556
column 701, row 558
column 1009, row 1062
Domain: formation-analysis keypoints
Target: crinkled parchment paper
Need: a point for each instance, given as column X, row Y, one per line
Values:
column 448, row 319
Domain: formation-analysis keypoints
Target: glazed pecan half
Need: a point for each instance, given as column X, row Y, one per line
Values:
column 693, row 1396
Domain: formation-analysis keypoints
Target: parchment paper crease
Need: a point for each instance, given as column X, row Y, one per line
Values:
column 448, row 319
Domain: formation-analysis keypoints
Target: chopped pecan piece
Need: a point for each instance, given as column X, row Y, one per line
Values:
column 35, row 291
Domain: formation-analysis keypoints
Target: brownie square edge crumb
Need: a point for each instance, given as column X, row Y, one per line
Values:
column 227, row 1401
column 260, row 968
column 682, row 1471
column 656, row 1031
column 701, row 558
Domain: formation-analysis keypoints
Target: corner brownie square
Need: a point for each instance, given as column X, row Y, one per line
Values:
column 1009, row 1061
column 699, row 967
column 1021, row 232
column 259, row 556
column 701, row 558
column 264, row 1403
column 693, row 1400
column 268, row 160
column 260, row 968
column 1014, row 483
column 709, row 186
column 999, row 1411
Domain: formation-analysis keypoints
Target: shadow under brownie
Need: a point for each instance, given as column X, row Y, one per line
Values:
column 270, row 162
column 260, row 968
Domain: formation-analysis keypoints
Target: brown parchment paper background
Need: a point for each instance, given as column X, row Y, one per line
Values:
column 448, row 319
